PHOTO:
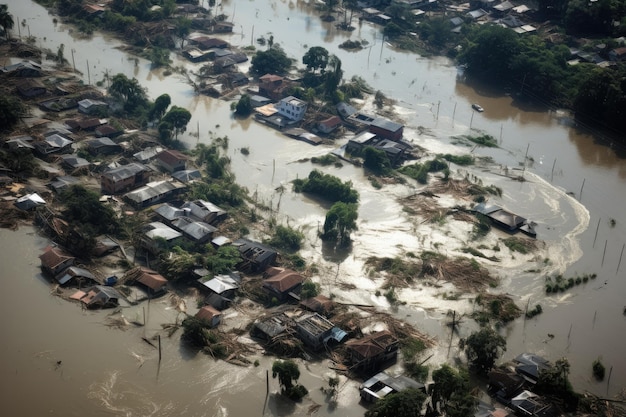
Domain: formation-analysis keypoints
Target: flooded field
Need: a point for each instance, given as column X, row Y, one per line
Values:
column 111, row 371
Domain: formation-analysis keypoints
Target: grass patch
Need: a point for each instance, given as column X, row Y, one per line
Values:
column 325, row 160
column 516, row 244
column 479, row 254
column 463, row 160
column 496, row 307
column 487, row 141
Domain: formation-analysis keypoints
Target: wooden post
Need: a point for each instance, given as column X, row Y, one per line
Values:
column 500, row 133
column 603, row 253
column 252, row 37
column 580, row 194
column 608, row 381
column 596, row 236
column 570, row 331
column 552, row 174
column 472, row 119
column 88, row 74
column 595, row 313
column 453, row 114
column 267, row 382
column 144, row 315
column 525, row 159
column 438, row 104
column 159, row 339
column 73, row 62
column 620, row 259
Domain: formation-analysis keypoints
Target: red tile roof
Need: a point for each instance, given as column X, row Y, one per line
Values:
column 207, row 313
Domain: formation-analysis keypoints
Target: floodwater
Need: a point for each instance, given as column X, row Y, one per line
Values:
column 110, row 371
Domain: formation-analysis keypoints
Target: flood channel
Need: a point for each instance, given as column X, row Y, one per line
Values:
column 111, row 371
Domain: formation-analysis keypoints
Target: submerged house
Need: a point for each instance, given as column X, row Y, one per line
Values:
column 383, row 384
column 282, row 283
column 98, row 296
column 153, row 193
column 319, row 304
column 75, row 274
column 317, row 332
column 372, row 351
column 256, row 256
column 529, row 366
column 54, row 260
column 222, row 289
column 29, row 202
column 505, row 220
column 210, row 315
column 153, row 282
column 386, row 129
column 292, row 108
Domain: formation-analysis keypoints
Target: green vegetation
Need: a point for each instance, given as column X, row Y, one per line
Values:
column 11, row 111
column 159, row 57
column 534, row 312
column 325, row 160
column 199, row 333
column 521, row 245
column 495, row 307
column 131, row 94
column 452, row 392
column 286, row 238
column 462, row 160
column 340, row 222
column 598, row 370
column 272, row 61
column 487, row 141
column 157, row 110
column 83, row 206
column 559, row 283
column 482, row 227
column 175, row 121
column 288, row 373
column 419, row 172
column 376, row 160
column 309, row 289
column 554, row 382
column 6, row 20
column 243, row 107
column 316, row 58
column 398, row 269
column 483, row 348
column 327, row 186
column 406, row 403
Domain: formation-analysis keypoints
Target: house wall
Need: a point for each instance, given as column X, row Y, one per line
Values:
column 386, row 134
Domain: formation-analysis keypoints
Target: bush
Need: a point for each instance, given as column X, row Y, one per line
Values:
column 598, row 370
column 286, row 238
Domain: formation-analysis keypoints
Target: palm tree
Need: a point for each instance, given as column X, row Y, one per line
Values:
column 6, row 19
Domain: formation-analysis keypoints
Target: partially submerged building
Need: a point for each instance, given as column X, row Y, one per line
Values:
column 54, row 260
column 371, row 352
column 383, row 384
column 256, row 256
column 98, row 296
column 209, row 315
column 282, row 283
column 318, row 332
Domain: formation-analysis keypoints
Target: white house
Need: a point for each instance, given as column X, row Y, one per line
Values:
column 292, row 108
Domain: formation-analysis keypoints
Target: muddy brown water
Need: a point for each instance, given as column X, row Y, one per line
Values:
column 107, row 371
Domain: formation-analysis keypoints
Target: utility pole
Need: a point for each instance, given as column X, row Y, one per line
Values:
column 73, row 62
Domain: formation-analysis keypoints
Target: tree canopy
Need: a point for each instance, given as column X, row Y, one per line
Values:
column 243, row 106
column 6, row 20
column 11, row 110
column 483, row 348
column 129, row 91
column 406, row 403
column 272, row 61
column 84, row 206
column 316, row 58
column 288, row 373
column 340, row 222
column 328, row 187
column 178, row 118
column 160, row 106
column 452, row 391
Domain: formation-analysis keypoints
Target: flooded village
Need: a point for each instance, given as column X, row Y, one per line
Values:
column 377, row 239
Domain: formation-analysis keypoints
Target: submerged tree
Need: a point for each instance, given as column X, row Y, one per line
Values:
column 129, row 92
column 11, row 110
column 288, row 373
column 159, row 107
column 406, row 403
column 483, row 348
column 315, row 58
column 451, row 391
column 178, row 118
column 340, row 222
column 6, row 20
